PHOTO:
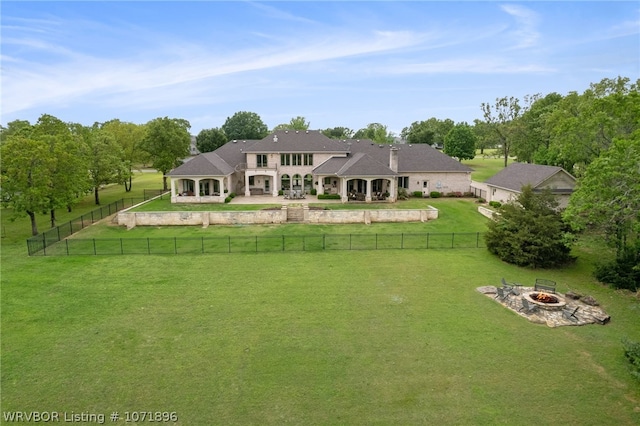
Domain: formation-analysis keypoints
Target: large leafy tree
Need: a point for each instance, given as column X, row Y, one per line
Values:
column 104, row 159
column 245, row 125
column 69, row 179
column 13, row 127
column 533, row 137
column 129, row 137
column 582, row 126
column 26, row 176
column 376, row 132
column 501, row 118
column 431, row 131
column 210, row 139
column 460, row 142
column 296, row 123
column 529, row 231
column 607, row 199
column 167, row 142
column 338, row 133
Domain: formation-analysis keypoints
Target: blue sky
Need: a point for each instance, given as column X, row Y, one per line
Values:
column 335, row 63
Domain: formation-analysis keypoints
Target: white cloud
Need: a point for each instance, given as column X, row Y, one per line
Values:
column 526, row 34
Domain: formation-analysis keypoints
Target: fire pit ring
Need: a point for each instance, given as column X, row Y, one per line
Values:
column 547, row 301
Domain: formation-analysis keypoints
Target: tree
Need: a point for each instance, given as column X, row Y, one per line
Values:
column 460, row 142
column 338, row 133
column 210, row 139
column 583, row 126
column 26, row 176
column 376, row 132
column 13, row 127
column 530, row 232
column 501, row 118
column 104, row 159
column 296, row 123
column 483, row 134
column 245, row 125
column 533, row 137
column 607, row 198
column 431, row 131
column 167, row 141
column 129, row 137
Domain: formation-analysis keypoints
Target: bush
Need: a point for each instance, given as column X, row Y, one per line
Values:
column 228, row 199
column 481, row 200
column 402, row 194
column 314, row 191
column 281, row 192
column 495, row 204
column 329, row 196
column 454, row 194
column 632, row 353
column 435, row 194
column 468, row 194
column 232, row 195
column 622, row 272
column 417, row 194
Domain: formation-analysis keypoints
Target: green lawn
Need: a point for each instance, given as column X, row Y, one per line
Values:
column 485, row 167
column 357, row 337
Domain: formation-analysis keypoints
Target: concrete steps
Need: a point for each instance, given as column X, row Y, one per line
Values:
column 295, row 214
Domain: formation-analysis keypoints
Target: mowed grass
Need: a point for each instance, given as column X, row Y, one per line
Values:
column 347, row 337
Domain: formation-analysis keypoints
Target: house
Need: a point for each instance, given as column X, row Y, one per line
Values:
column 302, row 161
column 507, row 184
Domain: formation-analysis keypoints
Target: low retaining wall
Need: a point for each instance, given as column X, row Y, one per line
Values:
column 486, row 212
column 261, row 217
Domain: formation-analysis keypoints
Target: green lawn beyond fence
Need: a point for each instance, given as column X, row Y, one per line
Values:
column 260, row 244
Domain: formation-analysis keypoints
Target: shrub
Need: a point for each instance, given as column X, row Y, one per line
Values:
column 454, row 194
column 435, row 194
column 329, row 196
column 402, row 194
column 281, row 192
column 314, row 191
column 468, row 194
column 228, row 199
column 495, row 204
column 632, row 353
column 481, row 200
column 417, row 194
column 622, row 272
column 232, row 195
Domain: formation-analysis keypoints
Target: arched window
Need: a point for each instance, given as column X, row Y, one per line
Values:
column 297, row 181
column 285, row 182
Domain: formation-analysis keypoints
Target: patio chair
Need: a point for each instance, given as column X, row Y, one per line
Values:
column 570, row 313
column 529, row 308
column 503, row 295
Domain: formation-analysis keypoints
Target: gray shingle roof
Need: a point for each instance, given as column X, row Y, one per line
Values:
column 517, row 175
column 293, row 141
column 208, row 163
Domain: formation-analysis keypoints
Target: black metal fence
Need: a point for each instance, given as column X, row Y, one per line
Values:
column 39, row 243
column 261, row 244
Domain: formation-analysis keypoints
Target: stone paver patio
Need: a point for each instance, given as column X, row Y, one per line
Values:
column 587, row 314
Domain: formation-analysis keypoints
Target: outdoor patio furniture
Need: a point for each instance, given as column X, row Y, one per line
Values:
column 529, row 308
column 545, row 285
column 569, row 313
column 503, row 295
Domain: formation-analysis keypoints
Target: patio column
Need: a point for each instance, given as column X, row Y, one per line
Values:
column 393, row 196
column 343, row 190
column 173, row 188
column 196, row 189
column 367, row 197
column 247, row 192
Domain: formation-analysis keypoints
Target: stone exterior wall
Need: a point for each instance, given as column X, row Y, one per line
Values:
column 132, row 219
column 441, row 182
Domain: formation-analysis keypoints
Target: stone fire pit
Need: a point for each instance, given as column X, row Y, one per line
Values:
column 549, row 302
column 550, row 309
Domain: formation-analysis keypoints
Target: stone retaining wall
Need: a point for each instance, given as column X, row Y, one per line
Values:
column 131, row 219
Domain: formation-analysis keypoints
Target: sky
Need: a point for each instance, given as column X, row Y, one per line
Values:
column 335, row 63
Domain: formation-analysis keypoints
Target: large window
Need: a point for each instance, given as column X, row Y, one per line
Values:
column 285, row 159
column 285, row 182
column 261, row 160
column 296, row 159
column 403, row 182
column 251, row 180
column 308, row 159
column 297, row 182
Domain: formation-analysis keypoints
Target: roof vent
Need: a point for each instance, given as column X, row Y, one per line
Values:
column 235, row 141
column 275, row 138
column 307, row 132
column 297, row 131
column 286, row 131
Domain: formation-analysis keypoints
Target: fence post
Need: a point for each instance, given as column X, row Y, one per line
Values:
column 376, row 241
column 175, row 245
column 453, row 235
column 256, row 243
column 94, row 247
column 229, row 243
column 304, row 248
column 427, row 240
column 282, row 242
column 349, row 241
column 44, row 244
column 402, row 240
column 58, row 229
column 202, row 245
column 66, row 242
column 324, row 246
column 148, row 246
column 477, row 240
column 121, row 247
